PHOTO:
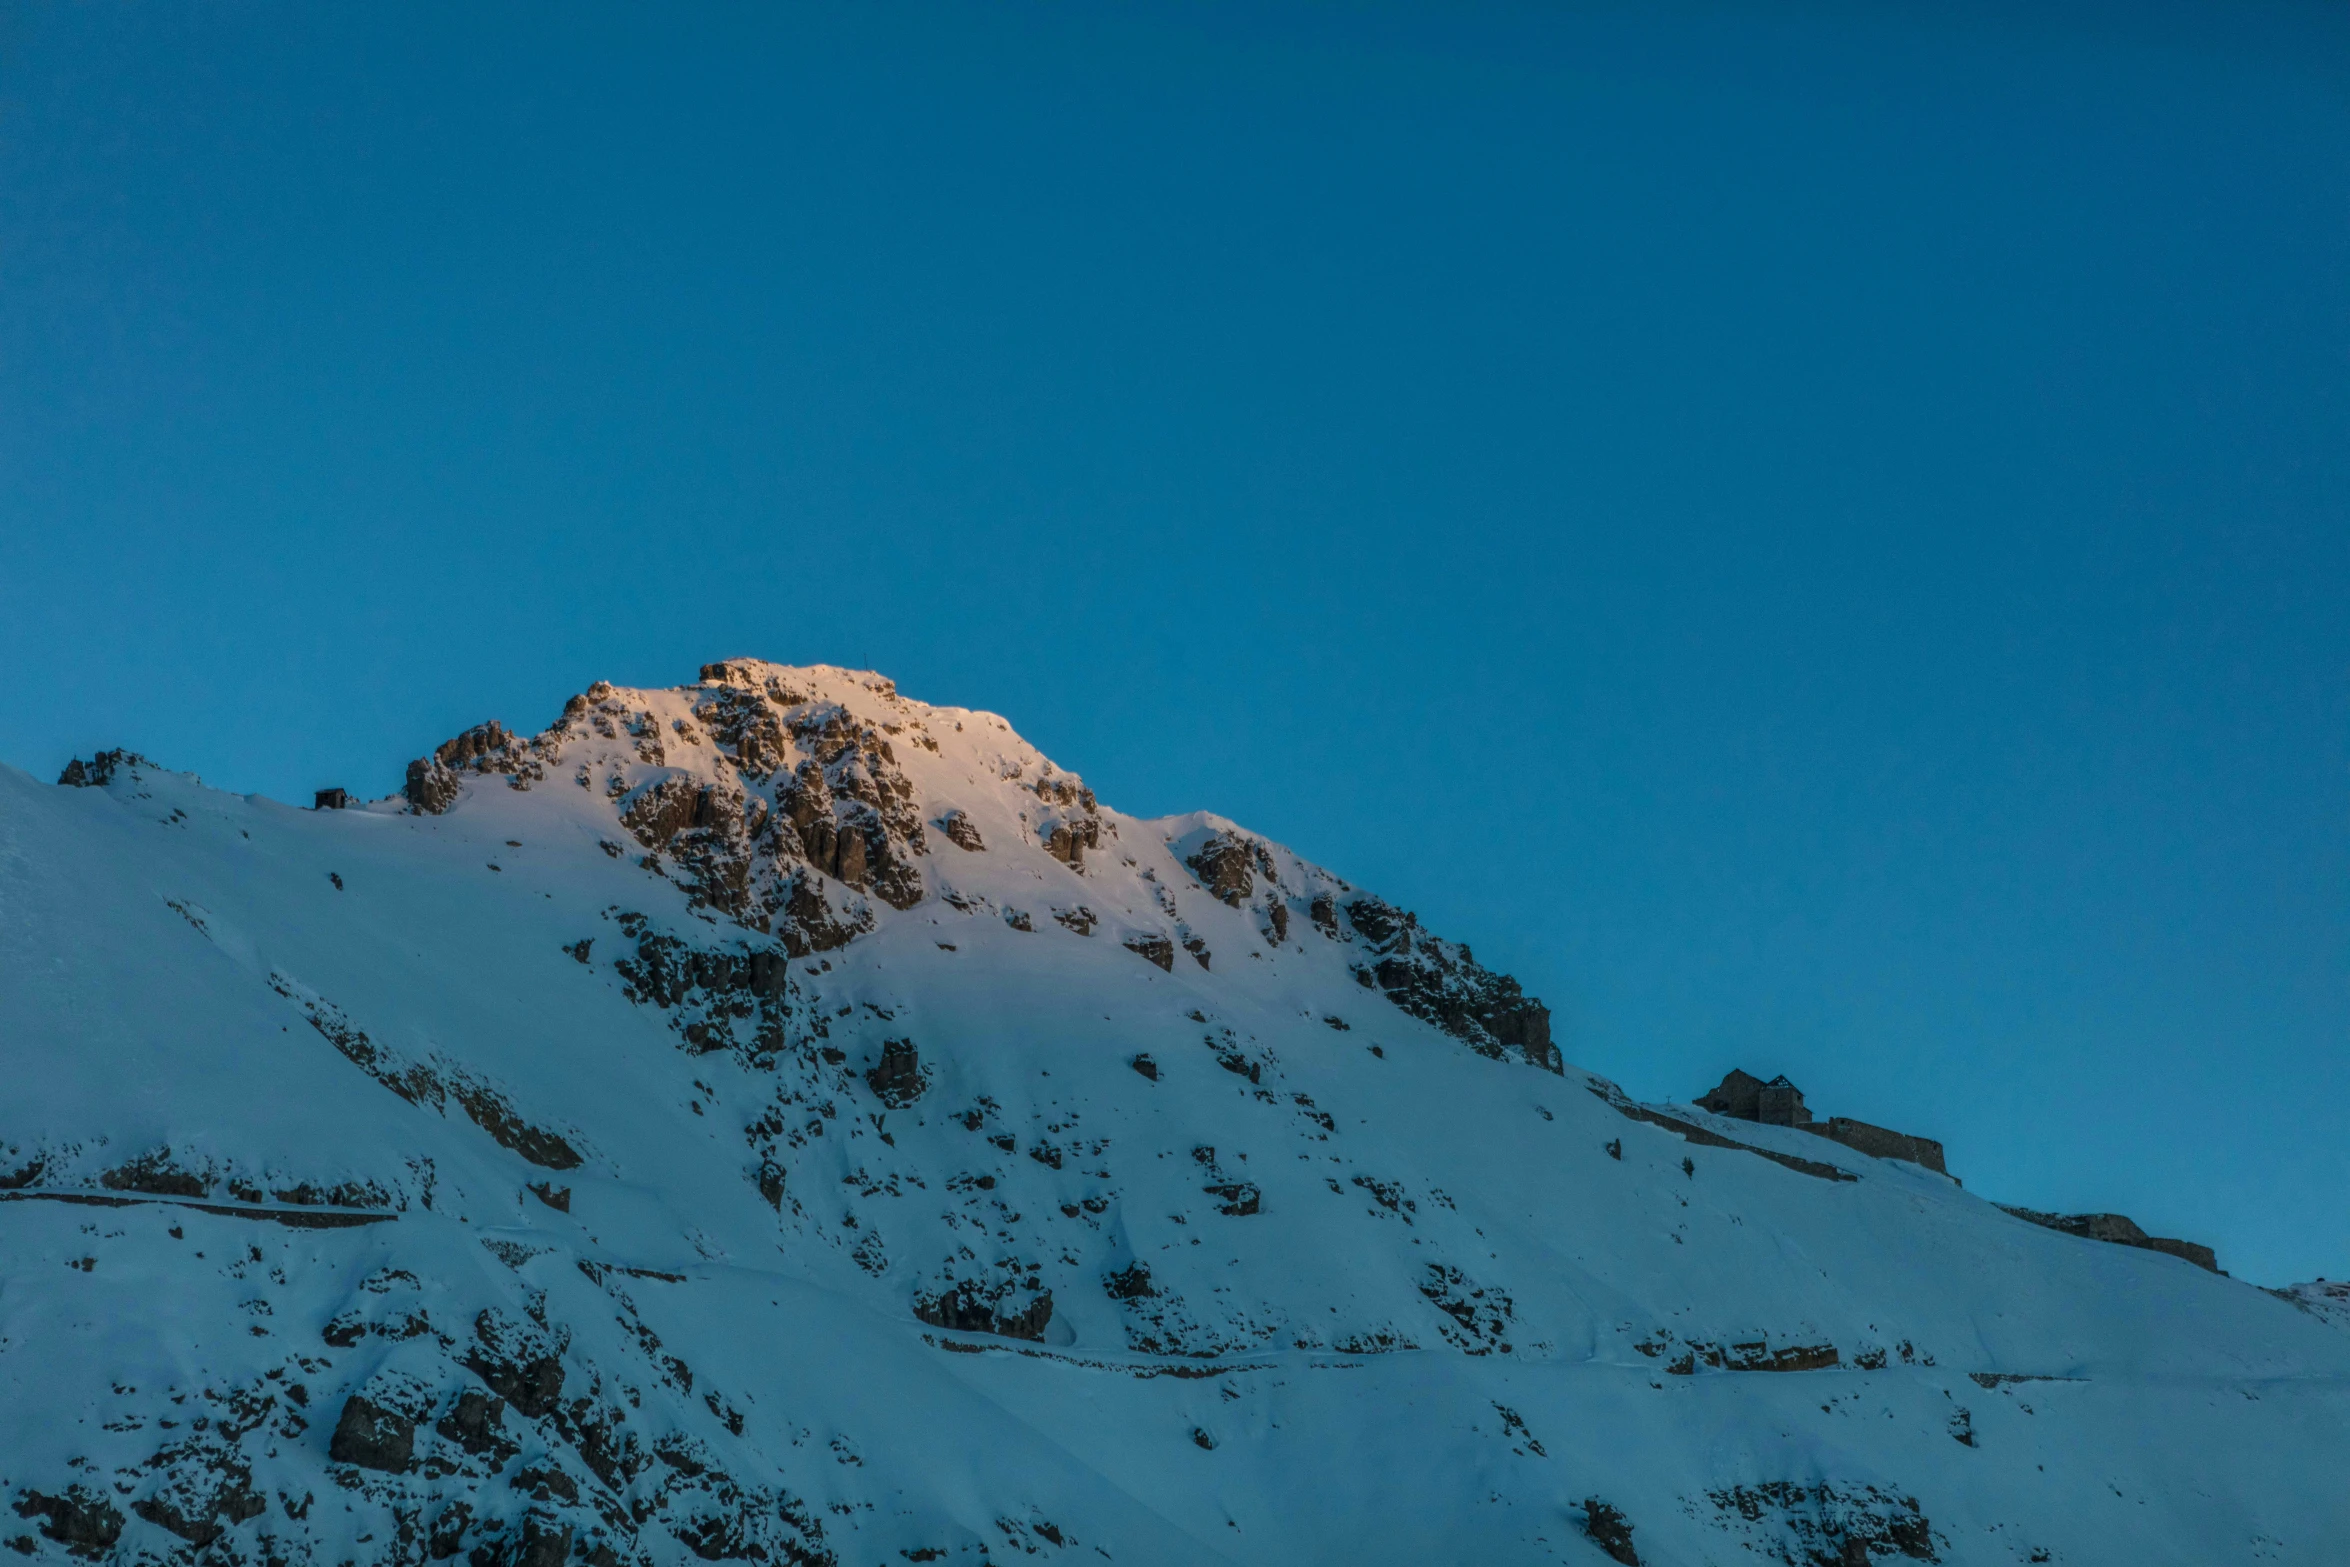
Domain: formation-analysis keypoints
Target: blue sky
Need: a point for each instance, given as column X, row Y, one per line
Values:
column 1815, row 535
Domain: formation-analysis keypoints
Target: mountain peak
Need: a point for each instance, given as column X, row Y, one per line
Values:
column 773, row 1119
column 810, row 803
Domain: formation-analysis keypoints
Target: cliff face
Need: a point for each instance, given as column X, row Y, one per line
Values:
column 772, row 1119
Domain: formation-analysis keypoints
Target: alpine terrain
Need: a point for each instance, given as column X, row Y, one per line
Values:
column 776, row 1120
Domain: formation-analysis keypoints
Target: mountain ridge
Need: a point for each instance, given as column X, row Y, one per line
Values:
column 773, row 1119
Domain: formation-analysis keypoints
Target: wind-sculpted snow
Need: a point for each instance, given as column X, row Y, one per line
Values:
column 776, row 1120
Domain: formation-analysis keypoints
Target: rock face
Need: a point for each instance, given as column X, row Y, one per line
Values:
column 897, row 1079
column 1225, row 865
column 373, row 1437
column 772, row 1120
column 1005, row 1314
column 1610, row 1531
column 1438, row 982
column 100, row 770
column 85, row 1524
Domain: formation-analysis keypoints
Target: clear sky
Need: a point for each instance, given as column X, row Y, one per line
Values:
column 1817, row 536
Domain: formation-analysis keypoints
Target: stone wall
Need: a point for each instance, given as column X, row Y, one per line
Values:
column 2118, row 1230
column 1744, row 1097
column 1880, row 1142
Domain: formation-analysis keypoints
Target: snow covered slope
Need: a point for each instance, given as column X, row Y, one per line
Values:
column 776, row 1120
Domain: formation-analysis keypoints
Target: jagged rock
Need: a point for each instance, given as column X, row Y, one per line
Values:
column 811, row 924
column 516, row 1363
column 965, row 1309
column 84, row 1523
column 1156, row 949
column 1610, row 1530
column 432, row 782
column 472, row 1422
column 961, row 831
column 660, row 811
column 897, row 1079
column 99, row 770
column 431, row 788
column 199, row 1512
column 475, row 743
column 373, row 1437
column 1439, row 982
column 1755, row 1356
column 491, row 1111
column 541, row 1543
column 1235, row 1199
column 1824, row 1522
column 1225, row 863
column 1323, row 911
column 157, row 1175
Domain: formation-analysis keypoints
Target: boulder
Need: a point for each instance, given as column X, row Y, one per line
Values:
column 373, row 1437
column 897, row 1079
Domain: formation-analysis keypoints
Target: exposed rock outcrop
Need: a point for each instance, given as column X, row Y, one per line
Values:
column 373, row 1437
column 1439, row 982
column 1155, row 949
column 898, row 1079
column 1610, row 1531
column 1226, row 865
column 966, row 1308
column 433, row 782
column 85, row 1523
column 99, row 770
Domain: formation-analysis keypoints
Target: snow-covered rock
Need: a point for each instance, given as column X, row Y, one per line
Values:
column 775, row 1119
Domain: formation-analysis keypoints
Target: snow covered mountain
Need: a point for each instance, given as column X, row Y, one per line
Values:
column 776, row 1120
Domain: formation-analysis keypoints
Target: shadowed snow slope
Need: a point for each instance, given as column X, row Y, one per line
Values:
column 773, row 1119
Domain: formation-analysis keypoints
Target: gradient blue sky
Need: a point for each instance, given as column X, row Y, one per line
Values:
column 1818, row 536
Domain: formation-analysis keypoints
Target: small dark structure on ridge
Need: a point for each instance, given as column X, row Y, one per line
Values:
column 331, row 800
column 2120, row 1231
column 1744, row 1097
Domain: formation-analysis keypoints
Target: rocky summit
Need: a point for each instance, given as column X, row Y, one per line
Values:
column 775, row 1120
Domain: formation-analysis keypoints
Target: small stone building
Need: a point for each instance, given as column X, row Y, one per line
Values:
column 331, row 800
column 1744, row 1097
